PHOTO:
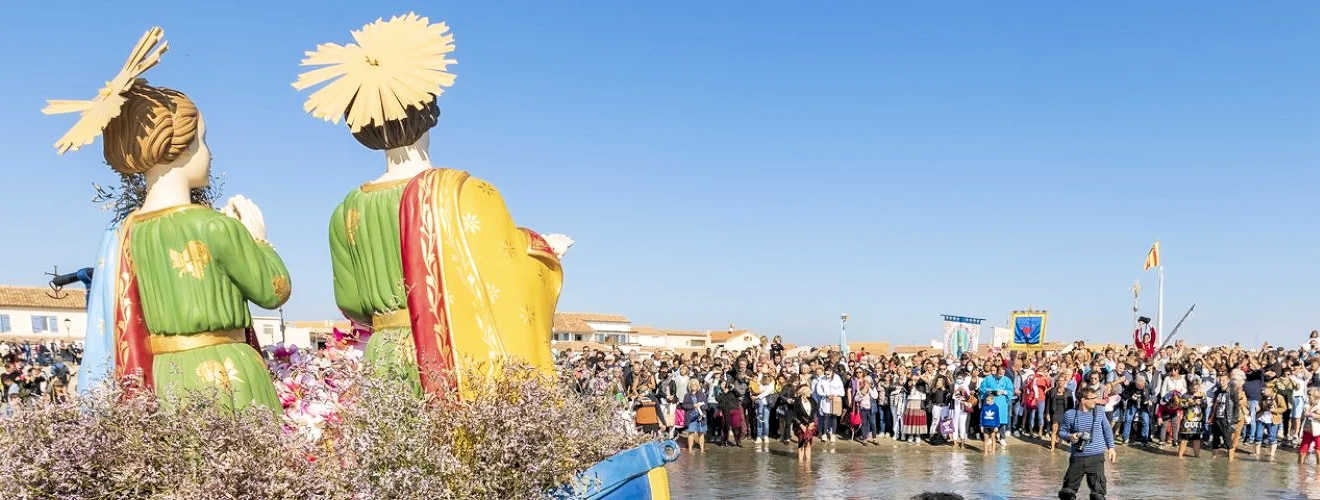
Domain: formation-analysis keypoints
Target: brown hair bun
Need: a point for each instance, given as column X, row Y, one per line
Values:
column 155, row 126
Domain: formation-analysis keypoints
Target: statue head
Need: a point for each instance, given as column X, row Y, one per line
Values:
column 402, row 132
column 157, row 130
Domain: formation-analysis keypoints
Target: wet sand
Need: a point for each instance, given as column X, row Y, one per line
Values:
column 1027, row 469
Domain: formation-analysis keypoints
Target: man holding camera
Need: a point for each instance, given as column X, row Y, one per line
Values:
column 1092, row 442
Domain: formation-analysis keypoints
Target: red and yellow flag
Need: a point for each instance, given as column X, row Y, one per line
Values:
column 1153, row 257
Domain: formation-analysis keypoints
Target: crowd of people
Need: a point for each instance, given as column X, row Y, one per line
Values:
column 32, row 372
column 1225, row 398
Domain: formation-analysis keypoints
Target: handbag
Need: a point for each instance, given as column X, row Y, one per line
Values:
column 946, row 426
column 836, row 405
column 680, row 418
column 855, row 419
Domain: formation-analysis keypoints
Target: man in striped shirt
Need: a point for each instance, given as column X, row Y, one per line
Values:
column 1092, row 441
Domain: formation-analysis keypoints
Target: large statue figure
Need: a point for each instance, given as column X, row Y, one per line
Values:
column 429, row 257
column 182, row 274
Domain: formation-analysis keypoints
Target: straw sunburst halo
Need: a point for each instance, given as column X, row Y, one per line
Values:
column 100, row 110
column 394, row 65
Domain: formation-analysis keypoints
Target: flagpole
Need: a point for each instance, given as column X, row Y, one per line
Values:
column 1160, row 322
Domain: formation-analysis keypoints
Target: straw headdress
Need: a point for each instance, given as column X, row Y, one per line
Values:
column 394, row 65
column 100, row 110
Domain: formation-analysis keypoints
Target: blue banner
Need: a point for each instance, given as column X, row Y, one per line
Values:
column 1028, row 329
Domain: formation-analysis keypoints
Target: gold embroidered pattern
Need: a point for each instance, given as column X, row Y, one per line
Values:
column 471, row 223
column 510, row 250
column 486, row 188
column 192, row 260
column 219, row 374
column 280, row 284
column 528, row 315
column 351, row 220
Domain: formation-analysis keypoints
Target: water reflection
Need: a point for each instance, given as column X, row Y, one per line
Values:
column 895, row 470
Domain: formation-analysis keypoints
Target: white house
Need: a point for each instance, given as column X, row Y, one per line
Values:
column 592, row 327
column 669, row 339
column 303, row 334
column 734, row 340
column 37, row 313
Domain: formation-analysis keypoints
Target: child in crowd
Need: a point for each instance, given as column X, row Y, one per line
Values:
column 990, row 419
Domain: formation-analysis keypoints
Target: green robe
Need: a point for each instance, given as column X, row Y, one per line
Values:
column 197, row 269
column 367, row 263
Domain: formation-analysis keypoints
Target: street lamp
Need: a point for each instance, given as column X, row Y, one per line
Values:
column 843, row 333
column 282, row 326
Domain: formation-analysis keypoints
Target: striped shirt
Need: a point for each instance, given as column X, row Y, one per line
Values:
column 1095, row 422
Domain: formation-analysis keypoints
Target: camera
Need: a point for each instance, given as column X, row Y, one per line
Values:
column 1083, row 439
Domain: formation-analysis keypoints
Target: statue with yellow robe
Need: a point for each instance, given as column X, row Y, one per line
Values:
column 429, row 257
column 184, row 273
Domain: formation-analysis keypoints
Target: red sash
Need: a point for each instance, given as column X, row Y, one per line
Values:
column 132, row 352
column 423, row 278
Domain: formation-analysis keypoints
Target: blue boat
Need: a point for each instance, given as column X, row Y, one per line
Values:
column 638, row 473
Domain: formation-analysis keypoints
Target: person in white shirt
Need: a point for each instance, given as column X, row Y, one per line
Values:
column 1175, row 382
column 826, row 387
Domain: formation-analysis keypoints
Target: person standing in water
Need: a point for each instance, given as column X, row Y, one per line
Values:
column 1091, row 440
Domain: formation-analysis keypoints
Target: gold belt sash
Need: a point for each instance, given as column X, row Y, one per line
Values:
column 162, row 344
column 392, row 319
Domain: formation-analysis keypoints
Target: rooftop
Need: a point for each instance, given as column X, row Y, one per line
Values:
column 565, row 323
column 724, row 335
column 595, row 317
column 647, row 330
column 40, row 298
column 342, row 325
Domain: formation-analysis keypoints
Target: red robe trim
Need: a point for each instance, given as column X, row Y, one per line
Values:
column 423, row 278
column 132, row 351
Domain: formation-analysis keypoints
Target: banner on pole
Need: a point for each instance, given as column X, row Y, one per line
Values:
column 961, row 334
column 1028, row 329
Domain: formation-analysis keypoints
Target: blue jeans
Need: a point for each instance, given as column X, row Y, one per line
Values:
column 1034, row 417
column 1249, row 430
column 868, row 423
column 762, row 427
column 1013, row 408
column 1127, row 423
column 897, row 414
column 879, row 415
column 826, row 423
column 1271, row 432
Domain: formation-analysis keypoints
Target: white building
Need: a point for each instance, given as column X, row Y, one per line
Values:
column 670, row 339
column 40, row 314
column 734, row 340
column 304, row 334
column 609, row 329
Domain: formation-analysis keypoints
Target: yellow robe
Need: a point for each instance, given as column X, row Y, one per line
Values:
column 480, row 289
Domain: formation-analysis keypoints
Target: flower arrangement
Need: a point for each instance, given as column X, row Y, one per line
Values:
column 342, row 435
column 315, row 387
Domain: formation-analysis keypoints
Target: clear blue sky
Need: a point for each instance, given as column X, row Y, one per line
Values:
column 773, row 165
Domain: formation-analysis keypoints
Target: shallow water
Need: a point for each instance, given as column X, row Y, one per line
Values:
column 1026, row 470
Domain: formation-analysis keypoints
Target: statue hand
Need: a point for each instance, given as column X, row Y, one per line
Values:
column 559, row 243
column 247, row 212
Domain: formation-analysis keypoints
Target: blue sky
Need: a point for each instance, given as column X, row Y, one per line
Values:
column 769, row 165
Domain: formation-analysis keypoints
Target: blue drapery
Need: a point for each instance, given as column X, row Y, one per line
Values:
column 98, row 349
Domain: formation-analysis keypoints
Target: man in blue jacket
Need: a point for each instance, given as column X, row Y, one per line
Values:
column 1092, row 441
